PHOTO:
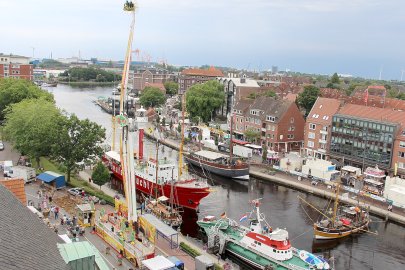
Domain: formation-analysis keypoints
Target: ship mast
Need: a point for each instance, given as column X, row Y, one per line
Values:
column 230, row 141
column 126, row 142
column 157, row 168
column 335, row 207
column 183, row 107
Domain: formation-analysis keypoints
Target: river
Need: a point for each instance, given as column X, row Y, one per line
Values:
column 280, row 205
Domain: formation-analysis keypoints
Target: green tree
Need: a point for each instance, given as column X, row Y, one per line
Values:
column 79, row 141
column 32, row 126
column 264, row 155
column 171, row 88
column 203, row 99
column 100, row 174
column 163, row 121
column 307, row 98
column 270, row 93
column 251, row 134
column 335, row 78
column 152, row 97
column 13, row 91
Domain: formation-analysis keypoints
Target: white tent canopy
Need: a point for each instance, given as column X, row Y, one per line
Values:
column 158, row 263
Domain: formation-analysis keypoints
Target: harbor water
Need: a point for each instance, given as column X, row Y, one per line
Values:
column 280, row 205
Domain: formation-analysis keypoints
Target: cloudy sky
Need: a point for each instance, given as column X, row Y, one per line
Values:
column 359, row 37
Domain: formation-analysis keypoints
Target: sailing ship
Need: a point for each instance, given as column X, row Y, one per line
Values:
column 257, row 245
column 345, row 220
column 220, row 164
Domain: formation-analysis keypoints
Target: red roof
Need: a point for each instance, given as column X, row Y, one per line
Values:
column 160, row 86
column 16, row 186
column 380, row 87
column 211, row 72
column 379, row 114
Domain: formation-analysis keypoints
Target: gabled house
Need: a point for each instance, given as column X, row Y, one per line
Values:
column 318, row 127
column 279, row 123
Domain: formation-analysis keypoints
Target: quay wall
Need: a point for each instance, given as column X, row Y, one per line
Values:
column 306, row 188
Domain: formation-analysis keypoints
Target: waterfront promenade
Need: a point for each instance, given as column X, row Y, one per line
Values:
column 258, row 171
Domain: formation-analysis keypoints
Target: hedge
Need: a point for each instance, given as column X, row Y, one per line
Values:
column 194, row 253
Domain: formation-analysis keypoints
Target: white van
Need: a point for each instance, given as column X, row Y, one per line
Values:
column 8, row 168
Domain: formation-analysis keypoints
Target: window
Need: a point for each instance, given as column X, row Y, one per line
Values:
column 253, row 112
column 401, row 154
column 291, row 128
column 292, row 120
column 312, row 126
column 290, row 136
column 315, row 115
column 270, row 118
column 310, row 144
column 325, row 117
column 401, row 144
column 311, row 135
column 401, row 165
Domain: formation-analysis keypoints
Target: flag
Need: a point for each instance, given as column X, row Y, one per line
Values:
column 243, row 218
column 223, row 215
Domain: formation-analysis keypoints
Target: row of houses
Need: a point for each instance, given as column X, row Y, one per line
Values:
column 15, row 66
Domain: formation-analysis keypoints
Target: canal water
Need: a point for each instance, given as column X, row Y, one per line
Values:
column 280, row 205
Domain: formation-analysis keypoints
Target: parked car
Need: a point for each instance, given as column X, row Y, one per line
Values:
column 1, row 145
column 75, row 191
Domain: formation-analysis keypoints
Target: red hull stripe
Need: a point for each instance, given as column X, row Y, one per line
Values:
column 281, row 245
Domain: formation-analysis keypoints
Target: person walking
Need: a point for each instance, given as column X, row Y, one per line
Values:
column 56, row 212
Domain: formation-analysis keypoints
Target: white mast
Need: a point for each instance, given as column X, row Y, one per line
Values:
column 127, row 145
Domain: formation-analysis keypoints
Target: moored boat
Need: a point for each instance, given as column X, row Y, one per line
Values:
column 219, row 164
column 257, row 245
column 345, row 220
column 187, row 191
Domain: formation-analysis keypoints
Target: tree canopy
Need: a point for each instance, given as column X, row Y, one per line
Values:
column 171, row 88
column 307, row 98
column 152, row 97
column 32, row 126
column 13, row 91
column 203, row 99
column 78, row 141
column 100, row 174
column 89, row 74
column 251, row 134
column 335, row 78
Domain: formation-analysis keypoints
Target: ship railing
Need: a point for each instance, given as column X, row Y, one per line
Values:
column 286, row 265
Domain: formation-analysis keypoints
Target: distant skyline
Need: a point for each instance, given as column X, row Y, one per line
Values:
column 357, row 37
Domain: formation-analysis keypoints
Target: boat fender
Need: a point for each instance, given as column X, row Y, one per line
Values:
column 285, row 242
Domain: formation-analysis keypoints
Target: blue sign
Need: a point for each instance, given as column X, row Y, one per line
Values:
column 331, row 168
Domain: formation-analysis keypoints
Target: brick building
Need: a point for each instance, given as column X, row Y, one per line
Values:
column 318, row 127
column 279, row 122
column 15, row 66
column 153, row 76
column 192, row 76
column 368, row 136
column 237, row 89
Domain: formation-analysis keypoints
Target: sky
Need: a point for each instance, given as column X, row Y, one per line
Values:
column 358, row 37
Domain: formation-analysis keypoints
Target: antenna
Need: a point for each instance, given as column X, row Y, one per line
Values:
column 381, row 70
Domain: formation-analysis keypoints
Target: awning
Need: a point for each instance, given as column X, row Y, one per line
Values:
column 239, row 142
column 158, row 263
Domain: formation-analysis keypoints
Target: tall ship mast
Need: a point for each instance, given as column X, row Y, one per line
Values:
column 345, row 220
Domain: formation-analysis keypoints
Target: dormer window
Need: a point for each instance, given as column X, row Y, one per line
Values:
column 253, row 112
column 270, row 118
